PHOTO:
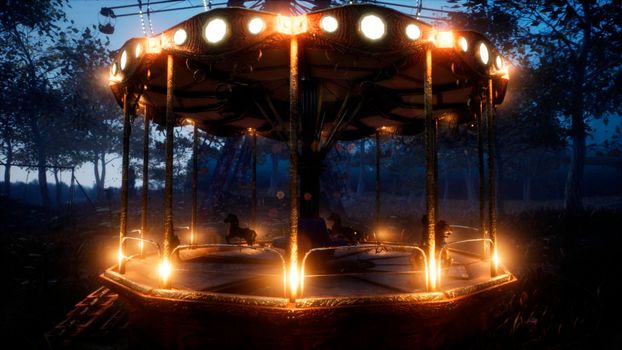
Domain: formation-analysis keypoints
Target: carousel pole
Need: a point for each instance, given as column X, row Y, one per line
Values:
column 293, row 168
column 430, row 157
column 124, row 180
column 195, row 171
column 377, row 219
column 254, row 182
column 145, row 190
column 480, row 170
column 168, row 177
column 492, row 200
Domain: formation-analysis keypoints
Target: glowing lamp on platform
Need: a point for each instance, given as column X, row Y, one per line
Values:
column 329, row 24
column 413, row 32
column 165, row 271
column 215, row 30
column 373, row 27
column 256, row 25
column 180, row 37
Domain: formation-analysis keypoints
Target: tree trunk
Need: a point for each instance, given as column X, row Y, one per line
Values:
column 103, row 171
column 7, row 168
column 98, row 187
column 41, row 161
column 58, row 189
column 573, row 200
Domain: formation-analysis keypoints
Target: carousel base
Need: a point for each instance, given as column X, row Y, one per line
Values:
column 231, row 299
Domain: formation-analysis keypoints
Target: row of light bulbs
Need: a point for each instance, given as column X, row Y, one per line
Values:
column 371, row 26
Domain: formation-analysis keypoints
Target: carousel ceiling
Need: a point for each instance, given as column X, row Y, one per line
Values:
column 361, row 68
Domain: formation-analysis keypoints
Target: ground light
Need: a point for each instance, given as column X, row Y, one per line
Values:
column 165, row 271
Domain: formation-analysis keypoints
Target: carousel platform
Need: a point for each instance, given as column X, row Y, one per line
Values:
column 371, row 295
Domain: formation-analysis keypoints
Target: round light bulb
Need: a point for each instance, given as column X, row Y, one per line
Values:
column 329, row 24
column 123, row 60
column 373, row 27
column 256, row 25
column 483, row 53
column 413, row 32
column 464, row 44
column 138, row 50
column 114, row 69
column 215, row 30
column 180, row 37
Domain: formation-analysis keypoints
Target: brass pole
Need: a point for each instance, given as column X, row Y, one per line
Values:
column 492, row 200
column 254, row 183
column 195, row 172
column 124, row 181
column 480, row 170
column 168, row 177
column 293, row 167
column 430, row 151
column 377, row 181
column 145, row 192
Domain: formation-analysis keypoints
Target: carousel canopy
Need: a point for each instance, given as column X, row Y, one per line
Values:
column 361, row 68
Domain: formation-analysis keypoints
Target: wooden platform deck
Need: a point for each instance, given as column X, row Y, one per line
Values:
column 356, row 271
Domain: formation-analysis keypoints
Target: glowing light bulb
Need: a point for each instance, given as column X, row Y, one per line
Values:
column 484, row 55
column 256, row 25
column 215, row 30
column 464, row 44
column 123, row 60
column 180, row 37
column 138, row 50
column 329, row 24
column 372, row 27
column 413, row 32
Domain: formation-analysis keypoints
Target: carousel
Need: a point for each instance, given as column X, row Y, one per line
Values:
column 311, row 80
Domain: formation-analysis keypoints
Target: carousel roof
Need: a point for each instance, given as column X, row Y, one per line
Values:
column 361, row 68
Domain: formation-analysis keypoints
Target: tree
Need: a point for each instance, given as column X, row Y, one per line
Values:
column 577, row 45
column 34, row 67
column 93, row 112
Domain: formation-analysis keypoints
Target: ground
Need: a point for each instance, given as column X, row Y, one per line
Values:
column 567, row 267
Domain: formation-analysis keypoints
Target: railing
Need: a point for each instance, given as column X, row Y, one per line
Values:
column 236, row 246
column 378, row 247
column 142, row 241
column 445, row 246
